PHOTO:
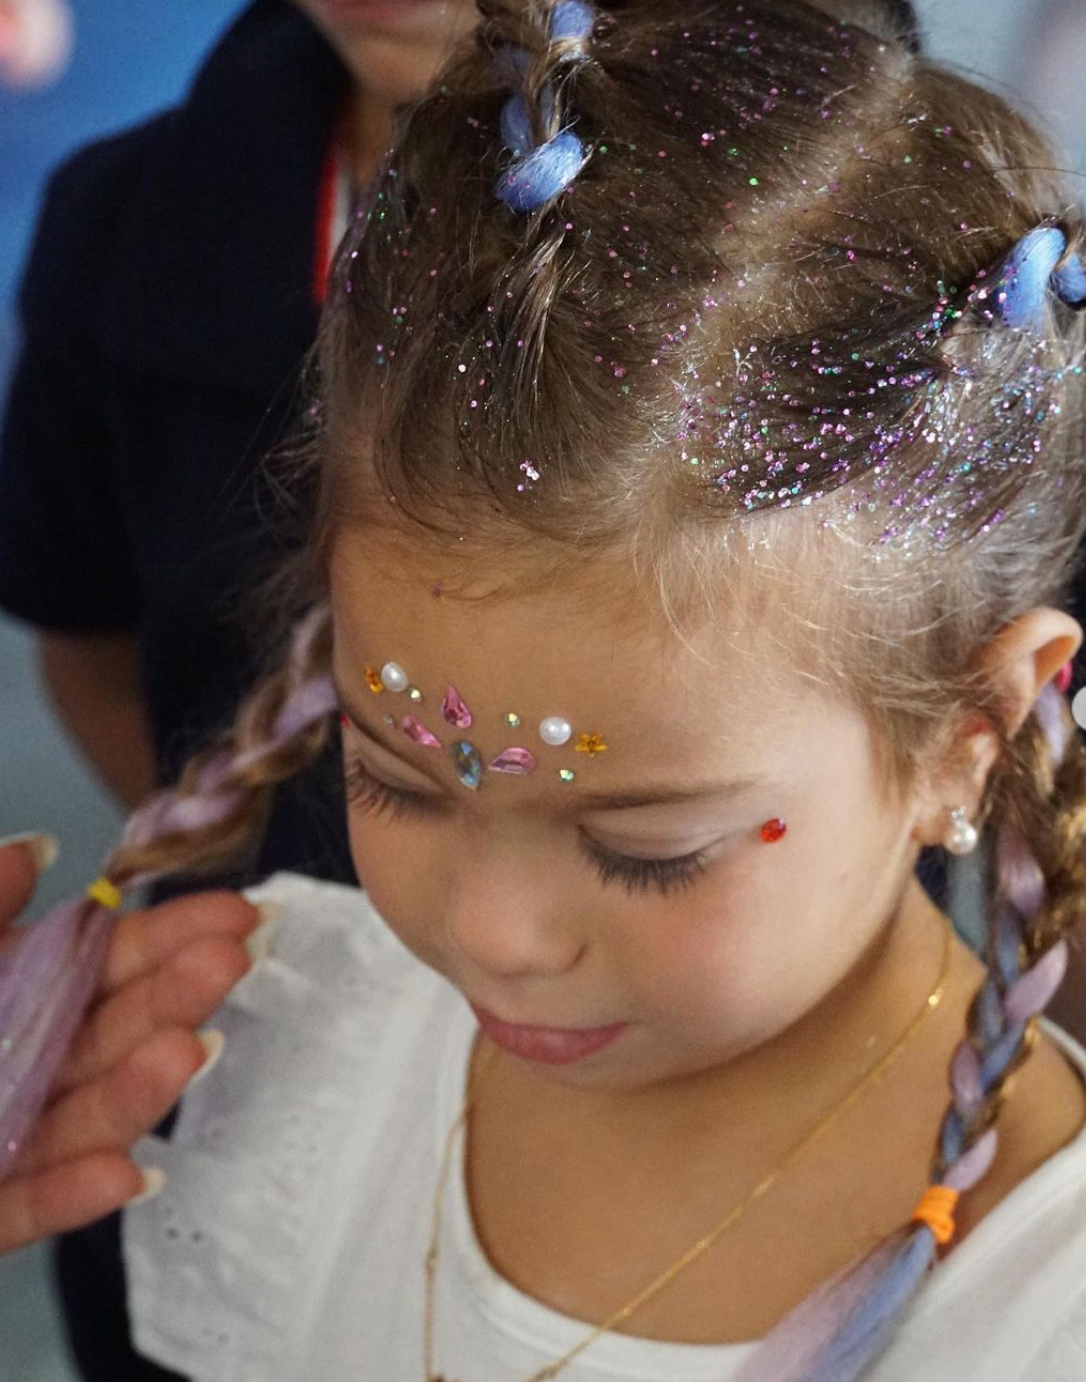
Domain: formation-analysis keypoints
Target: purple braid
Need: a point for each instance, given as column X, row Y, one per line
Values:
column 834, row 1334
column 48, row 978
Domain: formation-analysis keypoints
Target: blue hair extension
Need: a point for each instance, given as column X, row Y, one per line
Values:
column 836, row 1332
column 869, row 1328
column 1031, row 272
column 539, row 176
column 540, row 172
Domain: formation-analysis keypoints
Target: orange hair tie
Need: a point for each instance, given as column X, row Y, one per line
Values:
column 936, row 1209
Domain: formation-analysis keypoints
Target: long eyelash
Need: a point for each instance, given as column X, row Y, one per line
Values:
column 370, row 794
column 639, row 875
column 635, row 875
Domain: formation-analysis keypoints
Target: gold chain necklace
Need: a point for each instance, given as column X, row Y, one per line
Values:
column 550, row 1370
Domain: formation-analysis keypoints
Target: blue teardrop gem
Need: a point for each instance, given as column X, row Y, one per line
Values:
column 469, row 765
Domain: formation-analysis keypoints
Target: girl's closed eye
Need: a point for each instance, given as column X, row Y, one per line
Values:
column 371, row 793
column 637, row 875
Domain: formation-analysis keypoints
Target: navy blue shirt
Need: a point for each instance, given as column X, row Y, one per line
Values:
column 167, row 309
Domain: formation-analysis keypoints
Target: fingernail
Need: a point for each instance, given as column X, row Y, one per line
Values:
column 258, row 942
column 154, row 1178
column 212, row 1041
column 43, row 848
column 269, row 910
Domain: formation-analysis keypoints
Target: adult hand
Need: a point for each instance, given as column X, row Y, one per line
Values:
column 167, row 970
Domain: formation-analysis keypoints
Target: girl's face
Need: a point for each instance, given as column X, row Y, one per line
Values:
column 639, row 896
column 393, row 48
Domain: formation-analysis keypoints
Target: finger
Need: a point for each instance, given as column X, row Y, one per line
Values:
column 144, row 939
column 66, row 1197
column 115, row 1110
column 183, row 992
column 22, row 859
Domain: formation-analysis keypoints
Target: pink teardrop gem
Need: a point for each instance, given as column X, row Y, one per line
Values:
column 415, row 729
column 454, row 710
column 518, row 761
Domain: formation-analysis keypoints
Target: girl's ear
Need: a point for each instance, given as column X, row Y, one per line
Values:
column 1019, row 663
column 1024, row 657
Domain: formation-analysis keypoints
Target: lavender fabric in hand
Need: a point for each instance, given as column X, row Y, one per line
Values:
column 47, row 980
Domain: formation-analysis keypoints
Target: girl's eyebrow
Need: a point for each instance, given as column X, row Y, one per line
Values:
column 662, row 796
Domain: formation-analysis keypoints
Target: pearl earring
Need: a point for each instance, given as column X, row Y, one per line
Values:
column 963, row 834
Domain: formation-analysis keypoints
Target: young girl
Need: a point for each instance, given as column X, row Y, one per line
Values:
column 699, row 481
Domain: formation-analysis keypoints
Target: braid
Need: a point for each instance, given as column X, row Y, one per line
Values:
column 225, row 793
column 1037, row 797
column 48, row 979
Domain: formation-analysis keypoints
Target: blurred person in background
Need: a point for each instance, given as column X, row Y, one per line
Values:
column 171, row 296
column 1051, row 66
column 35, row 41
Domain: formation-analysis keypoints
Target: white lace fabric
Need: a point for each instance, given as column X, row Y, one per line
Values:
column 289, row 1240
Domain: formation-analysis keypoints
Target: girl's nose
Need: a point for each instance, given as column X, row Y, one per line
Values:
column 510, row 931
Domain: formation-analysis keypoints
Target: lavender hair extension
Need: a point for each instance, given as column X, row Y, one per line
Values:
column 50, row 974
column 841, row 1327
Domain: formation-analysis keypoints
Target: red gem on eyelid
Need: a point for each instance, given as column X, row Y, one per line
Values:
column 772, row 830
column 344, row 721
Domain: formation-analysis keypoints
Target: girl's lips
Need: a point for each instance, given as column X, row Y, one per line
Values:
column 548, row 1045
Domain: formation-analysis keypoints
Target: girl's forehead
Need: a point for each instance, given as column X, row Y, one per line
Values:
column 582, row 653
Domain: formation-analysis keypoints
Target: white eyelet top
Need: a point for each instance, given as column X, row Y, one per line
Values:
column 288, row 1243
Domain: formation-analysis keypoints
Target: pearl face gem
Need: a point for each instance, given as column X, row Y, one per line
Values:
column 555, row 731
column 393, row 677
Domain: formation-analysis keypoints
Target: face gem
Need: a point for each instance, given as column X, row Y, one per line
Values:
column 512, row 719
column 373, row 680
column 455, row 711
column 772, row 831
column 394, row 677
column 591, row 744
column 414, row 694
column 566, row 774
column 390, row 720
column 516, row 761
column 469, row 766
column 416, row 730
column 555, row 731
